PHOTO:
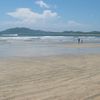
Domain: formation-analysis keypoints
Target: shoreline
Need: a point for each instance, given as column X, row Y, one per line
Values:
column 44, row 50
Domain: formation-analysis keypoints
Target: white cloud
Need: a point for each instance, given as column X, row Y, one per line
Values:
column 72, row 23
column 47, row 20
column 27, row 15
column 42, row 4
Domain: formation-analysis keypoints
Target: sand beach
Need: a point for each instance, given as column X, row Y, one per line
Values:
column 58, row 77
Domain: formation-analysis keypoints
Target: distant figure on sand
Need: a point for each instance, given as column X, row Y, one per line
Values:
column 79, row 40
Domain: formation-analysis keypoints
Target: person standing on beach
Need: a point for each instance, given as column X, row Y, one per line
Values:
column 79, row 40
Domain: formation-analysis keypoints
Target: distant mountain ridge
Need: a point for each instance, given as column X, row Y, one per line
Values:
column 31, row 32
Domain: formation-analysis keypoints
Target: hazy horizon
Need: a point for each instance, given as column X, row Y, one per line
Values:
column 49, row 31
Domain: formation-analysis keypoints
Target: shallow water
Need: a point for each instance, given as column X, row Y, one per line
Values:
column 35, row 48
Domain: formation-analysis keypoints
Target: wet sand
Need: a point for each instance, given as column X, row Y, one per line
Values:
column 81, row 45
column 69, row 77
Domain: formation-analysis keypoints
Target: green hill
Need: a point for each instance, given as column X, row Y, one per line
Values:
column 30, row 32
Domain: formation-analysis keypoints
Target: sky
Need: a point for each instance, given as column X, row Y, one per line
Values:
column 51, row 15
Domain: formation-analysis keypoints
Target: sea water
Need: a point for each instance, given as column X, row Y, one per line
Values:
column 44, row 46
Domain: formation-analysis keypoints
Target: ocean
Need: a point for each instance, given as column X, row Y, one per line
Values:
column 44, row 46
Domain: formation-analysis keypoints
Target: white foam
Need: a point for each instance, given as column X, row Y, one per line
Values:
column 52, row 38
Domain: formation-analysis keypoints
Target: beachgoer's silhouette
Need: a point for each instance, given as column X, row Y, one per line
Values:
column 79, row 40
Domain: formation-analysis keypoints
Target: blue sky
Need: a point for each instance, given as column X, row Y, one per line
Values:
column 51, row 15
